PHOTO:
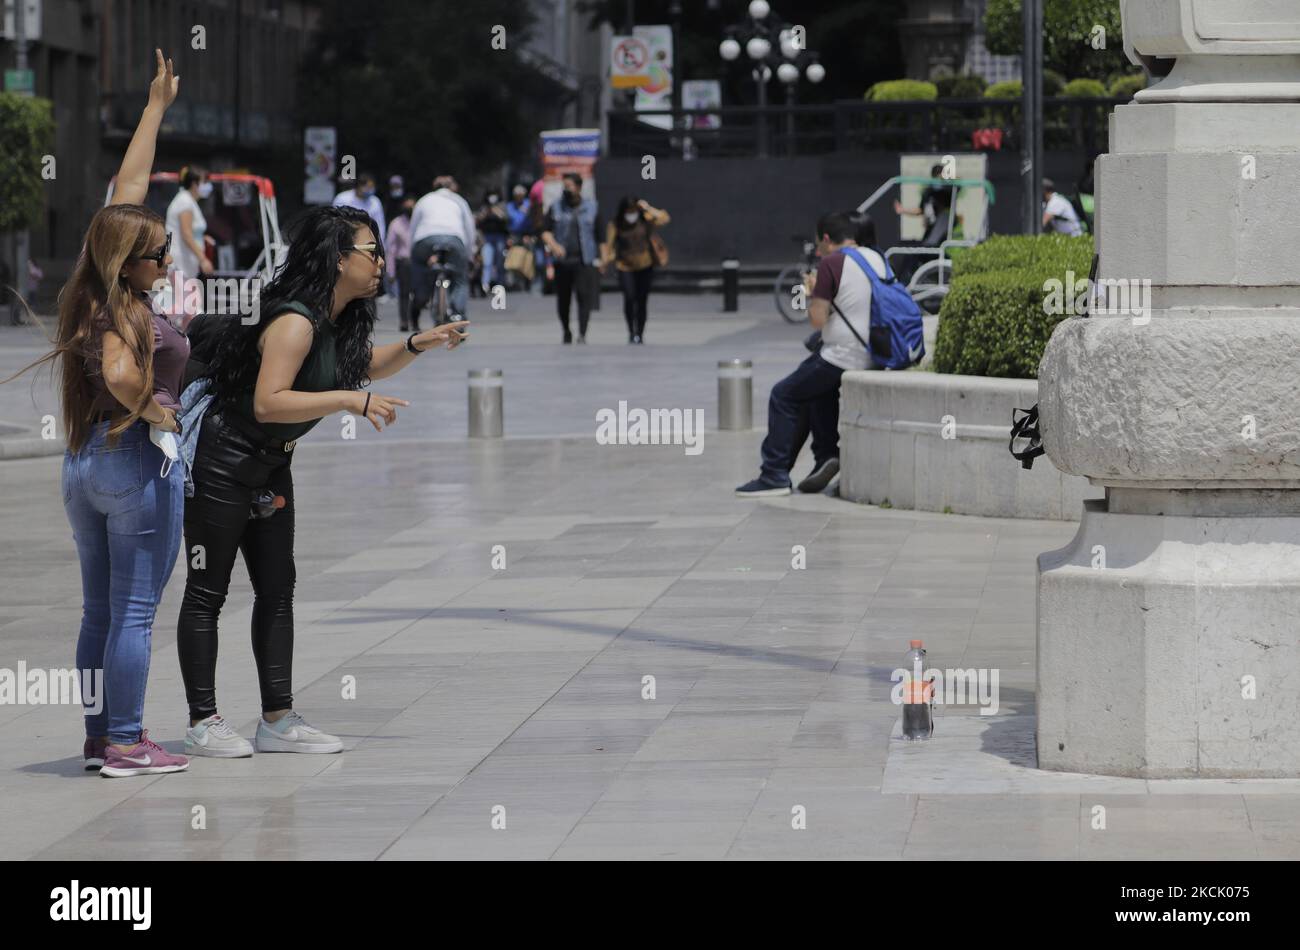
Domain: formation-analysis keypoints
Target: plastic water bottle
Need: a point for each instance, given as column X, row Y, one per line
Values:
column 918, row 711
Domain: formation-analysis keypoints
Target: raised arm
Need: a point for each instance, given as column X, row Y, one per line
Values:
column 133, row 176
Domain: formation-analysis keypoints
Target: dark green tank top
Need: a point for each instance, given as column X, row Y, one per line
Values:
column 319, row 373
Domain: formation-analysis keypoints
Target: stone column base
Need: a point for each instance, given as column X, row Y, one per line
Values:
column 1154, row 633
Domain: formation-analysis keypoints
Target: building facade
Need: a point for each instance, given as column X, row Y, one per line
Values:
column 238, row 61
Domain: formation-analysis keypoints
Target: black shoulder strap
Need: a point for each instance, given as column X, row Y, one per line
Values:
column 1026, row 428
column 849, row 324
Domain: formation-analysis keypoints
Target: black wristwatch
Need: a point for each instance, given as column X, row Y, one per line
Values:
column 410, row 346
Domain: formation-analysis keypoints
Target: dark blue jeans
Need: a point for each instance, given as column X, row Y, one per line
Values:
column 808, row 400
column 422, row 275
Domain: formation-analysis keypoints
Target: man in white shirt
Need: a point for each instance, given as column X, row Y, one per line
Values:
column 363, row 198
column 441, row 221
column 1058, row 214
column 808, row 400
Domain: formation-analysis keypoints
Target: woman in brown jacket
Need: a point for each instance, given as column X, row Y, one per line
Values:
column 633, row 246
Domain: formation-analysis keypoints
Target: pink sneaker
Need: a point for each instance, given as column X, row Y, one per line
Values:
column 93, row 752
column 146, row 757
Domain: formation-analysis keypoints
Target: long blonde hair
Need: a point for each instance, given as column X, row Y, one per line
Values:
column 96, row 287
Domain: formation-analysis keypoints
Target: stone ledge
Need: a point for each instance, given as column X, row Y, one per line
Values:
column 892, row 447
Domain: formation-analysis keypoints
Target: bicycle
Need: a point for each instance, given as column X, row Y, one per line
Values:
column 793, row 277
column 441, row 300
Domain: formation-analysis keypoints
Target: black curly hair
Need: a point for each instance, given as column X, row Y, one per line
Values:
column 317, row 239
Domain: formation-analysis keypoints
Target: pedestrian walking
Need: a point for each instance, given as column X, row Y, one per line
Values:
column 362, row 197
column 569, row 233
column 633, row 244
column 493, row 224
column 399, row 259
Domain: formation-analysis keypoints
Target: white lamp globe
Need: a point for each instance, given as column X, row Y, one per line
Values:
column 758, row 48
column 787, row 73
column 788, row 48
column 729, row 49
column 759, row 9
column 815, row 72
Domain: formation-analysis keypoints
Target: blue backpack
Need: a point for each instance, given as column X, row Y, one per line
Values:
column 897, row 334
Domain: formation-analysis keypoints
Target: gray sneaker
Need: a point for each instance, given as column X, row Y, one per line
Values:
column 821, row 476
column 213, row 736
column 293, row 734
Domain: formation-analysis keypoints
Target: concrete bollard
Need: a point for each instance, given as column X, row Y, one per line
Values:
column 486, row 399
column 730, row 285
column 735, row 394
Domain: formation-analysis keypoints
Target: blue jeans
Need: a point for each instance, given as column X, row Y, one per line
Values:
column 494, row 260
column 423, row 276
column 126, row 519
column 806, row 400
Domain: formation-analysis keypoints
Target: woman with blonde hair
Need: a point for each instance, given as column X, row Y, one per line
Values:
column 120, row 368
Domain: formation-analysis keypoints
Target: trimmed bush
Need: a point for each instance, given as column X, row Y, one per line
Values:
column 902, row 90
column 1126, row 87
column 992, row 322
column 1084, row 89
column 1010, row 89
column 961, row 87
column 1053, row 83
column 1023, row 252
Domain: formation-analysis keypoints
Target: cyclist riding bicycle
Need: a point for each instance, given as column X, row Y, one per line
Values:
column 442, row 235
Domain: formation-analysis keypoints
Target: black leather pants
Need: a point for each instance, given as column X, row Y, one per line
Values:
column 228, row 470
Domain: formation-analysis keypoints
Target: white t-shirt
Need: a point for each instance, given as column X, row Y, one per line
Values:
column 443, row 212
column 1064, row 220
column 841, row 279
column 184, row 259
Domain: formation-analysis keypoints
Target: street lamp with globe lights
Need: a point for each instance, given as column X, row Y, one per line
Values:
column 771, row 46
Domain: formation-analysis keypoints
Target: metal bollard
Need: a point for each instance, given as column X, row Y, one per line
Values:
column 486, row 392
column 730, row 285
column 735, row 394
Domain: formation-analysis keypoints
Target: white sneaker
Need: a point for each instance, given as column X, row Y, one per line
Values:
column 292, row 733
column 213, row 736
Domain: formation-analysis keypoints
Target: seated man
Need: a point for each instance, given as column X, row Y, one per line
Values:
column 809, row 398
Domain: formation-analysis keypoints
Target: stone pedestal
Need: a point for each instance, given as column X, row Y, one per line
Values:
column 1169, row 629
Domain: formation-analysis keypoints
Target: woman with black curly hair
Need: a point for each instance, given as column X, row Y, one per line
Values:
column 272, row 381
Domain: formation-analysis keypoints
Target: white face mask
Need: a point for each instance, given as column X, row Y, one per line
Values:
column 205, row 189
column 631, row 217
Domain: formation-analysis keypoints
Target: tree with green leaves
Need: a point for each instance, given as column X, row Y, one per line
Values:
column 418, row 86
column 26, row 136
column 1081, row 38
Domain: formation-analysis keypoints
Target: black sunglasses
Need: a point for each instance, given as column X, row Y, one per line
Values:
column 160, row 256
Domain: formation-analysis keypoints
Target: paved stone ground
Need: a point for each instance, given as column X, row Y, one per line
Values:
column 523, row 688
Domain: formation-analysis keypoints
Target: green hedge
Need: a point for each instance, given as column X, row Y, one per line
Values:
column 1023, row 252
column 902, row 90
column 1085, row 89
column 26, row 136
column 992, row 322
column 1126, row 87
column 1010, row 89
